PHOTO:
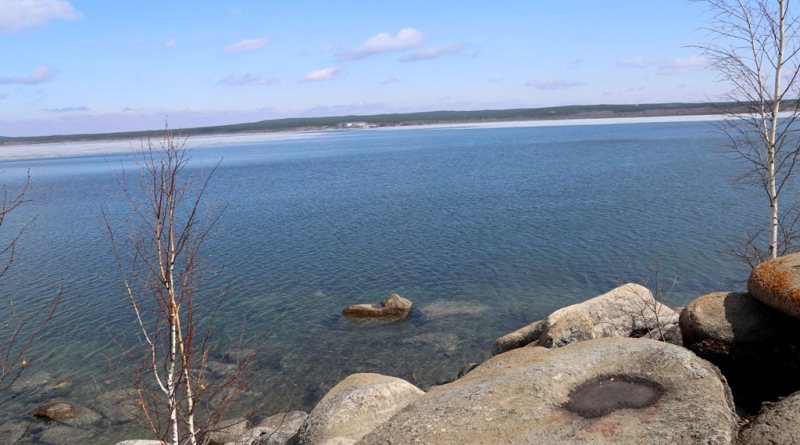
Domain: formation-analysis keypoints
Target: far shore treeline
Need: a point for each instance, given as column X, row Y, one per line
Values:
column 403, row 119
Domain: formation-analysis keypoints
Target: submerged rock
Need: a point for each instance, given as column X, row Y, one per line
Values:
column 627, row 311
column 354, row 407
column 442, row 309
column 277, row 429
column 392, row 307
column 446, row 341
column 12, row 432
column 776, row 283
column 65, row 412
column 139, row 442
column 602, row 391
column 65, row 435
column 228, row 430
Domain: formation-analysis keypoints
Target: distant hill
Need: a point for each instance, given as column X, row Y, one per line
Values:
column 403, row 119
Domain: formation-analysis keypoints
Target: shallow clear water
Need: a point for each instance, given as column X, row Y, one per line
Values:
column 484, row 229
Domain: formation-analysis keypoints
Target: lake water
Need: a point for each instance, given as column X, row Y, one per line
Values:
column 485, row 229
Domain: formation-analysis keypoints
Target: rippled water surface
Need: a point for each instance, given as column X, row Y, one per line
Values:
column 484, row 229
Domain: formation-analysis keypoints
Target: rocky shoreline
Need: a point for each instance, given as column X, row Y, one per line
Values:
column 619, row 368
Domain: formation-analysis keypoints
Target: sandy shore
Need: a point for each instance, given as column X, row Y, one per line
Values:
column 65, row 149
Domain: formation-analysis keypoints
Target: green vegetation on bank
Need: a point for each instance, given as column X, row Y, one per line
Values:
column 403, row 119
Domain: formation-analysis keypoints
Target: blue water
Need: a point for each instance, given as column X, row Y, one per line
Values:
column 499, row 225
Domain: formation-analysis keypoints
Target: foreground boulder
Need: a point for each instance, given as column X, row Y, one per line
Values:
column 778, row 423
column 627, row 311
column 776, row 283
column 354, row 407
column 392, row 307
column 749, row 341
column 602, row 391
column 67, row 413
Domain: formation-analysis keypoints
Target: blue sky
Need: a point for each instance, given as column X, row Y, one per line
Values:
column 95, row 66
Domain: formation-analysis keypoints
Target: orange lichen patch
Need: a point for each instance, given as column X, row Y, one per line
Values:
column 777, row 283
column 604, row 427
column 557, row 417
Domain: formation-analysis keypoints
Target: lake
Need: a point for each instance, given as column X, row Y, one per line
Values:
column 484, row 229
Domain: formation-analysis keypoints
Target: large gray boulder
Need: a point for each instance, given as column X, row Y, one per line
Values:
column 776, row 283
column 778, row 423
column 601, row 391
column 393, row 307
column 754, row 345
column 354, row 407
column 627, row 311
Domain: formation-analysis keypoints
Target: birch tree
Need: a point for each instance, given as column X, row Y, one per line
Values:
column 159, row 263
column 754, row 48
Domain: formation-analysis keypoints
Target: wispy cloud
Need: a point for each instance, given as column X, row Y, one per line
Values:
column 384, row 42
column 3, row 96
column 67, row 109
column 16, row 15
column 39, row 75
column 688, row 65
column 636, row 62
column 433, row 52
column 248, row 79
column 170, row 43
column 390, row 80
column 329, row 73
column 553, row 84
column 246, row 45
column 344, row 109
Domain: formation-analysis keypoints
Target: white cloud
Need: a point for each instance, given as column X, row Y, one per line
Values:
column 385, row 43
column 247, row 79
column 170, row 43
column 686, row 65
column 636, row 62
column 321, row 74
column 67, row 109
column 246, row 45
column 433, row 52
column 16, row 15
column 39, row 75
column 553, row 84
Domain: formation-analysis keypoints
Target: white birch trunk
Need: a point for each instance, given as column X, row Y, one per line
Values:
column 773, row 132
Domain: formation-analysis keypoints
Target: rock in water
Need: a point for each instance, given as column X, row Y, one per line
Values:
column 67, row 413
column 278, row 429
column 392, row 307
column 602, row 391
column 776, row 283
column 229, row 430
column 354, row 407
column 778, row 423
column 627, row 311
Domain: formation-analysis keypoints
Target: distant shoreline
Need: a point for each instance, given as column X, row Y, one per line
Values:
column 396, row 120
column 23, row 151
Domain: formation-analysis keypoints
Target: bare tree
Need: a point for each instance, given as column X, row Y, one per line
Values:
column 754, row 48
column 159, row 263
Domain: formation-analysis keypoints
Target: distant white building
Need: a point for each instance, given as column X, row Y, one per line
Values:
column 354, row 125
